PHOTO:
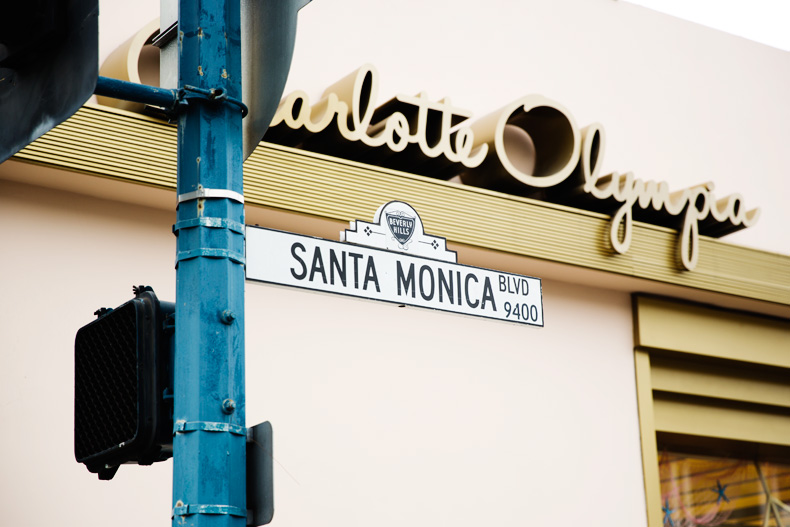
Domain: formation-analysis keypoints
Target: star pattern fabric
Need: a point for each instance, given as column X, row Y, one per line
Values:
column 720, row 489
column 668, row 514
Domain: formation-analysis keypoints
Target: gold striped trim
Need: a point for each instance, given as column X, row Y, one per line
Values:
column 120, row 145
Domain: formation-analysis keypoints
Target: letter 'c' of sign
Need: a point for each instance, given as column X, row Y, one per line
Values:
column 553, row 132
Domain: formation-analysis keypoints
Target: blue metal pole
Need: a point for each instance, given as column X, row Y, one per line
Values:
column 131, row 91
column 209, row 486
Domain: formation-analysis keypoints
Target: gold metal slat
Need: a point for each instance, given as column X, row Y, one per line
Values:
column 701, row 418
column 712, row 332
column 722, row 382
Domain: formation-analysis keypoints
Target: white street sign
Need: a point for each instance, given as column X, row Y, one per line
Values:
column 321, row 265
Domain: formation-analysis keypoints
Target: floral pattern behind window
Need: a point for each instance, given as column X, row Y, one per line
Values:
column 701, row 491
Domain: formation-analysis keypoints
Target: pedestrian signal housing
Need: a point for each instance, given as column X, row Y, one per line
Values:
column 123, row 385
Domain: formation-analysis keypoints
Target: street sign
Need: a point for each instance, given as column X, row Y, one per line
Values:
column 405, row 274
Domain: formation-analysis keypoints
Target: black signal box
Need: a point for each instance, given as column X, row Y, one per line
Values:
column 123, row 385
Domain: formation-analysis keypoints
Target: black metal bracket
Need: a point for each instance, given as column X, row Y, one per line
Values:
column 212, row 95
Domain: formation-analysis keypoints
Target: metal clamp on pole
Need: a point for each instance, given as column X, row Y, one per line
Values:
column 208, row 426
column 210, row 222
column 186, row 510
column 211, row 193
column 188, row 92
column 211, row 252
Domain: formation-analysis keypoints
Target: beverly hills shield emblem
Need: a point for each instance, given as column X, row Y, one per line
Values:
column 401, row 226
column 404, row 232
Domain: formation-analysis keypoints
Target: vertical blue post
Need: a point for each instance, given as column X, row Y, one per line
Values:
column 209, row 486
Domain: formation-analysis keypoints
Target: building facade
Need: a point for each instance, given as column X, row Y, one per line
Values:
column 655, row 392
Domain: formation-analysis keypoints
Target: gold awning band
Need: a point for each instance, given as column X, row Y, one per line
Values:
column 133, row 148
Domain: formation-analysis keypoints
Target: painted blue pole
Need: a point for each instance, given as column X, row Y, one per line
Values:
column 209, row 486
column 131, row 91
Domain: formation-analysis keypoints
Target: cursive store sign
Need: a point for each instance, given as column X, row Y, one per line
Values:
column 531, row 147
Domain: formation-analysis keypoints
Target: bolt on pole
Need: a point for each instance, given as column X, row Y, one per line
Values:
column 210, row 436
